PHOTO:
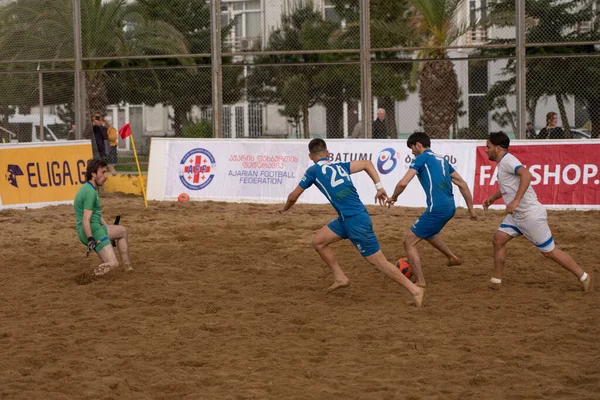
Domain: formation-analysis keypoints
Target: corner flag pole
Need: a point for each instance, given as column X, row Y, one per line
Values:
column 124, row 132
column 137, row 162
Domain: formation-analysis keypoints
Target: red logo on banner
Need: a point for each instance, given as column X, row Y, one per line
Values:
column 562, row 174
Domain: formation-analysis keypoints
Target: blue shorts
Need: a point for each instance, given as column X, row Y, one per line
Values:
column 359, row 229
column 430, row 224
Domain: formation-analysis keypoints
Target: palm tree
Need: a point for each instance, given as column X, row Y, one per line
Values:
column 172, row 85
column 436, row 25
column 43, row 29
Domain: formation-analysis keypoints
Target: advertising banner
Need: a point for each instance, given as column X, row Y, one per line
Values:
column 562, row 174
column 222, row 170
column 269, row 170
column 41, row 174
column 392, row 159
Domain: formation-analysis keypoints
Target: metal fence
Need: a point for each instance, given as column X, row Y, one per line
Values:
column 299, row 68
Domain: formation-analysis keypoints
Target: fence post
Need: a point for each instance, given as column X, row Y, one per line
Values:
column 41, row 101
column 217, row 72
column 365, row 68
column 79, row 107
column 520, row 71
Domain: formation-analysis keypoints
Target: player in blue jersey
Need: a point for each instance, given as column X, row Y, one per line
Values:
column 436, row 176
column 353, row 221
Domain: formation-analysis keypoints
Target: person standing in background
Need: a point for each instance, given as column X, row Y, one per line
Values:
column 111, row 145
column 381, row 128
column 99, row 137
column 551, row 131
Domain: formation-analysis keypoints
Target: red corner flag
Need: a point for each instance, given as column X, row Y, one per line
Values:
column 125, row 131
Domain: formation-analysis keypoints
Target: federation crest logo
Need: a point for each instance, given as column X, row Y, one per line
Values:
column 197, row 169
column 386, row 161
column 11, row 174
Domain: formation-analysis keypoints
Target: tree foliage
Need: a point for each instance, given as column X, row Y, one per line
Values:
column 561, row 76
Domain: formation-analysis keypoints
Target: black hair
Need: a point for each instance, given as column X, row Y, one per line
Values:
column 418, row 137
column 499, row 139
column 93, row 166
column 317, row 146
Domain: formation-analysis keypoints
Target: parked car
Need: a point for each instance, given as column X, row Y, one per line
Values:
column 579, row 134
column 31, row 123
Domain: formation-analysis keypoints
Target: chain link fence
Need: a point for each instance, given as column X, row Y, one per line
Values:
column 297, row 69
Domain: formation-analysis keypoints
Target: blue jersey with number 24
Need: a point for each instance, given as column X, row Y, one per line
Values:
column 333, row 180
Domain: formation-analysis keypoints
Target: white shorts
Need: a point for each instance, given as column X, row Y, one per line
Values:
column 535, row 229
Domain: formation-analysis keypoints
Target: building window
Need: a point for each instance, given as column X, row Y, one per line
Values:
column 478, row 87
column 478, row 116
column 330, row 13
column 246, row 19
column 478, row 77
column 255, row 118
column 239, row 121
column 226, row 121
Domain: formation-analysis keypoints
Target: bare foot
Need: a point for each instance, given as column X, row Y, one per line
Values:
column 102, row 269
column 495, row 286
column 127, row 268
column 421, row 285
column 338, row 285
column 588, row 284
column 419, row 298
column 454, row 261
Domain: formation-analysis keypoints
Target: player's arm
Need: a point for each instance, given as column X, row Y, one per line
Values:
column 401, row 185
column 292, row 198
column 103, row 222
column 490, row 200
column 87, row 229
column 369, row 168
column 465, row 192
column 87, row 217
column 524, row 182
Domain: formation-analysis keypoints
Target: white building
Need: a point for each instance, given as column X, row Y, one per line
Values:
column 254, row 20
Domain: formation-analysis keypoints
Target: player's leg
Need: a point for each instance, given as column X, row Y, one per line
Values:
column 499, row 241
column 506, row 231
column 380, row 261
column 359, row 229
column 108, row 257
column 103, row 248
column 320, row 242
column 426, row 227
column 538, row 232
column 567, row 262
column 439, row 244
column 432, row 224
column 119, row 233
column 410, row 246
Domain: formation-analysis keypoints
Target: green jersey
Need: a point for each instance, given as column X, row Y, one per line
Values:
column 87, row 199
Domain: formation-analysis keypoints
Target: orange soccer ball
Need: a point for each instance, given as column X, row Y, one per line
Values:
column 183, row 198
column 404, row 267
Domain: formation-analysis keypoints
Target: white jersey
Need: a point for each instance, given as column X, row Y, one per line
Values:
column 508, row 180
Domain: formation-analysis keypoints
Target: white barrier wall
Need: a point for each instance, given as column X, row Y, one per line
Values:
column 565, row 173
column 266, row 171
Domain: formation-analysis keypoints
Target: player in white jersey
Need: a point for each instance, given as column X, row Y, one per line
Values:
column 526, row 215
